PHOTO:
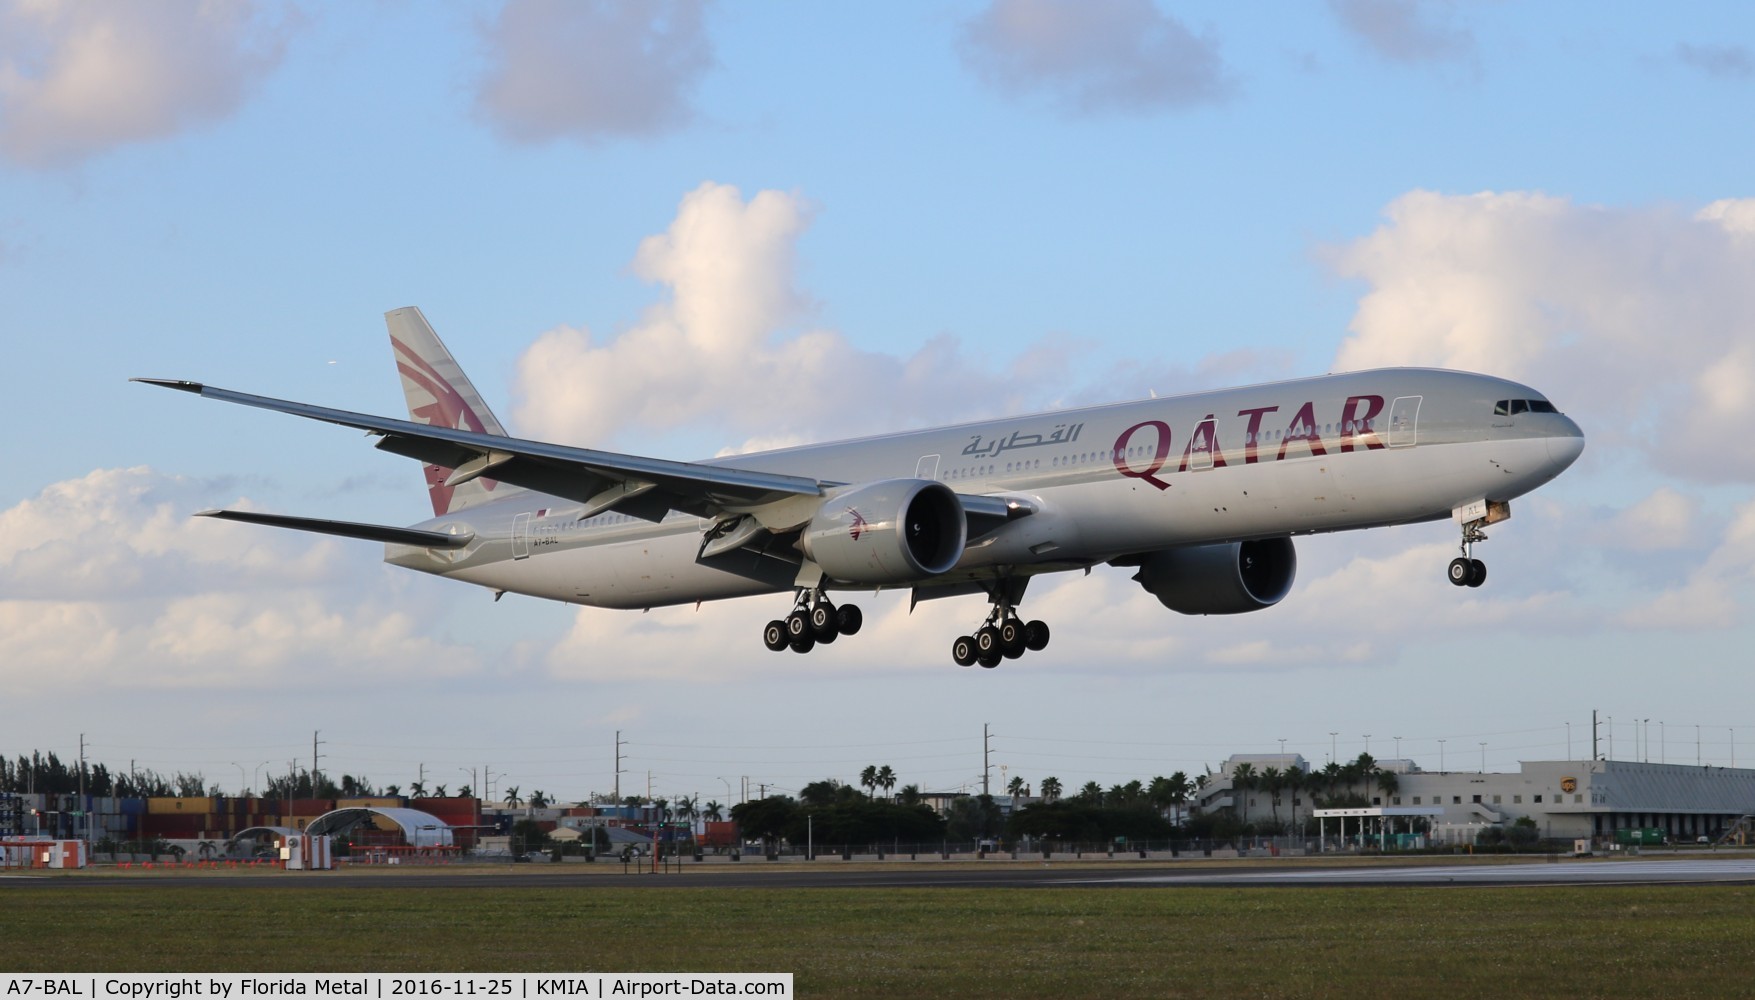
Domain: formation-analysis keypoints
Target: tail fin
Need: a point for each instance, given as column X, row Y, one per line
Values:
column 439, row 394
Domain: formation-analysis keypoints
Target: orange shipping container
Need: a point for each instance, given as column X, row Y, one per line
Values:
column 184, row 806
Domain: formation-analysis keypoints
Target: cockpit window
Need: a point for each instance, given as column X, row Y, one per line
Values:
column 1512, row 407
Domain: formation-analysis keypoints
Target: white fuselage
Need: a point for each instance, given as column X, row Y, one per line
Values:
column 1333, row 453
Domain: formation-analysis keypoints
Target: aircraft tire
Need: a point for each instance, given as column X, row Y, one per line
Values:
column 990, row 660
column 803, row 643
column 822, row 621
column 774, row 636
column 1011, row 638
column 1036, row 636
column 1477, row 572
column 848, row 618
column 963, row 651
column 797, row 625
column 987, row 641
column 1461, row 571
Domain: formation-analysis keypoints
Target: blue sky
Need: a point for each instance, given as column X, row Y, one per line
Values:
column 943, row 212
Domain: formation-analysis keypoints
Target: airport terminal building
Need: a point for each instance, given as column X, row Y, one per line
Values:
column 1565, row 799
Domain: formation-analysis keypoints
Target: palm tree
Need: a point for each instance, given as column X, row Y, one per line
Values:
column 1273, row 781
column 1388, row 784
column 1243, row 781
column 868, row 779
column 1331, row 779
column 418, row 790
column 538, row 799
column 1180, row 789
column 512, row 798
column 713, row 812
column 393, row 791
column 1294, row 778
column 1015, row 788
column 465, row 792
column 910, row 795
column 886, row 779
column 1051, row 789
column 685, row 811
column 439, row 792
column 1091, row 793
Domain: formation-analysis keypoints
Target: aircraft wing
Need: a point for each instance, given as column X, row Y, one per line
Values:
column 600, row 480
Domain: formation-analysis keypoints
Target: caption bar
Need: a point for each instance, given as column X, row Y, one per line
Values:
column 394, row 986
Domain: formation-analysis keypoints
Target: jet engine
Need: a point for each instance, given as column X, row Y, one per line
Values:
column 1221, row 579
column 893, row 531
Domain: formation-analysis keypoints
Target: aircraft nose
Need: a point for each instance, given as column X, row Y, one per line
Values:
column 1564, row 449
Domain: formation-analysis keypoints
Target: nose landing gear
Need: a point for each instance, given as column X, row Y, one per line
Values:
column 814, row 619
column 1466, row 570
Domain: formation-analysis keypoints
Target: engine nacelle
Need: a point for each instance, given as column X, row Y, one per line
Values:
column 1222, row 579
column 894, row 531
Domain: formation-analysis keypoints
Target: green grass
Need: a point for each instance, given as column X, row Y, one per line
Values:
column 1452, row 942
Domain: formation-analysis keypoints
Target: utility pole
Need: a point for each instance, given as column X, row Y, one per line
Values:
column 618, row 767
column 314, row 742
column 1595, row 747
column 986, row 747
column 84, row 820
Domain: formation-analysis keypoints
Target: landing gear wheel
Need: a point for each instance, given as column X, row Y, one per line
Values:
column 803, row 643
column 774, row 636
column 989, row 660
column 822, row 621
column 987, row 642
column 1036, row 636
column 797, row 625
column 1011, row 638
column 1461, row 570
column 963, row 650
column 848, row 618
column 1477, row 572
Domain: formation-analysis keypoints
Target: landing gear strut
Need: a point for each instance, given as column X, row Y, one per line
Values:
column 1004, row 636
column 1465, row 570
column 814, row 619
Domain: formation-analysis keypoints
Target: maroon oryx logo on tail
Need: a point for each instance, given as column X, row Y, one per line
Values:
column 858, row 527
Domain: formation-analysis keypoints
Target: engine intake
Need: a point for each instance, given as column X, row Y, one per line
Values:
column 895, row 531
column 1221, row 579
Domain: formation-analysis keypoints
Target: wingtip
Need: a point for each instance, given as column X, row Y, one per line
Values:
column 172, row 383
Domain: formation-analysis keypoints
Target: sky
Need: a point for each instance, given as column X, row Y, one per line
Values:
column 685, row 229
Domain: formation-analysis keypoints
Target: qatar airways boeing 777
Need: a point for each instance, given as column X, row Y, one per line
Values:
column 1201, row 494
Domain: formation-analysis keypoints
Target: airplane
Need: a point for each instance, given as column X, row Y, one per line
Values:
column 1200, row 494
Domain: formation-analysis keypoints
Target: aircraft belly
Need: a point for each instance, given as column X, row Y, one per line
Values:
column 645, row 573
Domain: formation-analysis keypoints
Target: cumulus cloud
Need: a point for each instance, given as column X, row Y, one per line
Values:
column 1724, row 62
column 593, row 69
column 730, row 344
column 1094, row 55
column 1407, row 31
column 78, row 78
column 107, row 578
column 1640, row 322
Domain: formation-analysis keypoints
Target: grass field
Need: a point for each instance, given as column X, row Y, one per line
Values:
column 1451, row 942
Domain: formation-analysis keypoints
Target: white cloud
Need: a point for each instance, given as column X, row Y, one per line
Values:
column 1639, row 322
column 107, row 579
column 1725, row 62
column 1094, row 55
column 727, row 347
column 1408, row 31
column 78, row 77
column 592, row 69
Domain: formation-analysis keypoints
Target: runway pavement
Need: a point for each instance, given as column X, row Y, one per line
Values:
column 1000, row 875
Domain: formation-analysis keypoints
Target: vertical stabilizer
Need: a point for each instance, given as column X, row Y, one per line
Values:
column 440, row 394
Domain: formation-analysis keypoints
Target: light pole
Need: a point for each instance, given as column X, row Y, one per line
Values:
column 258, row 782
column 727, row 785
column 240, row 768
column 473, row 787
column 1441, row 769
column 1331, row 745
column 1663, row 743
column 1398, row 747
column 1569, row 741
column 1367, row 744
column 1646, row 725
column 1282, row 746
column 1483, row 756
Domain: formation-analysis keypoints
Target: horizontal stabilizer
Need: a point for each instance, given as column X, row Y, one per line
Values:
column 350, row 529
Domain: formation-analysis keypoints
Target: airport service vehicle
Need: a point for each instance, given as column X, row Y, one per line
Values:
column 1199, row 494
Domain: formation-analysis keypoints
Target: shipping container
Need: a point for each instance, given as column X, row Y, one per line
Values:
column 376, row 802
column 184, row 806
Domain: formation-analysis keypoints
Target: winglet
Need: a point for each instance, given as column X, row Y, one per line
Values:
column 172, row 383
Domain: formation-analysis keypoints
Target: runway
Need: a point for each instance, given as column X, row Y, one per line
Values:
column 1004, row 875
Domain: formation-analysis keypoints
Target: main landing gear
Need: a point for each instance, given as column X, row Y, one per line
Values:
column 1005, row 636
column 1465, row 570
column 813, row 619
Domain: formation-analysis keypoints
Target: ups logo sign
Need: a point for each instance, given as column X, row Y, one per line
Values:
column 1569, row 784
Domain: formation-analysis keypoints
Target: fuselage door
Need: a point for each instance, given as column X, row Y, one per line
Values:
column 1202, row 445
column 927, row 467
column 521, row 536
column 1404, row 421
